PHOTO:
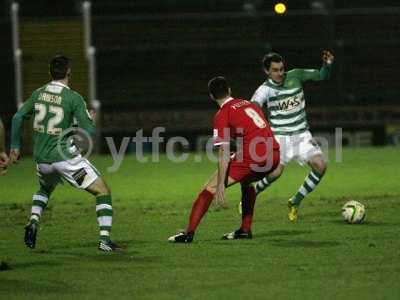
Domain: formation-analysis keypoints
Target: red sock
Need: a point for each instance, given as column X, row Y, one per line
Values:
column 200, row 207
column 248, row 202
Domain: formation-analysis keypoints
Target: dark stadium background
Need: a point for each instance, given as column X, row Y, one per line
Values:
column 154, row 59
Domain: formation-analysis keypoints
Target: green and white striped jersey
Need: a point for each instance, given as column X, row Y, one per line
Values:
column 285, row 103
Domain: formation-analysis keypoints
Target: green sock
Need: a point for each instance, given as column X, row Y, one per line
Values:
column 262, row 184
column 39, row 204
column 310, row 183
column 104, row 213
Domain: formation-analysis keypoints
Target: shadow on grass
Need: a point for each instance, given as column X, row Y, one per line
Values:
column 29, row 288
column 125, row 256
column 284, row 243
column 125, row 244
column 322, row 214
column 258, row 237
column 14, row 206
column 33, row 264
column 117, row 257
column 89, row 252
column 365, row 223
column 282, row 233
column 303, row 244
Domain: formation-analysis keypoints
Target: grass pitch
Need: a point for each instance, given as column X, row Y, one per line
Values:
column 318, row 257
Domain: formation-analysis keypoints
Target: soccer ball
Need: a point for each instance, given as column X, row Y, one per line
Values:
column 353, row 212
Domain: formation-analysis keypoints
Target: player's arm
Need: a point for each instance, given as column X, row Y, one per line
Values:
column 223, row 164
column 83, row 117
column 260, row 96
column 323, row 73
column 222, row 141
column 24, row 113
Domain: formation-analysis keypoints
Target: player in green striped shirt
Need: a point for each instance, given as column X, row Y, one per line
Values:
column 55, row 107
column 282, row 96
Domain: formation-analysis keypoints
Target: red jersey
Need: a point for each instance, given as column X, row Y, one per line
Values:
column 245, row 123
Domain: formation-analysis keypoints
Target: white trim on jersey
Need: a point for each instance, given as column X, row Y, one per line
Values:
column 221, row 143
column 55, row 82
column 226, row 101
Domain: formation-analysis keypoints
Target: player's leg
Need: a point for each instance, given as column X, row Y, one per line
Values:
column 286, row 155
column 318, row 168
column 249, row 195
column 248, row 202
column 48, row 180
column 311, row 154
column 199, row 208
column 203, row 201
column 83, row 175
column 104, row 211
column 264, row 183
column 39, row 203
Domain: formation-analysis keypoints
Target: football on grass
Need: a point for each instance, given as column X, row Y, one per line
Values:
column 353, row 212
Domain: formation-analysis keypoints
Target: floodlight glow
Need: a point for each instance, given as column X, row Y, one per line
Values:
column 280, row 8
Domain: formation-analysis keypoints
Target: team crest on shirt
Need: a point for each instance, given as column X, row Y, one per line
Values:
column 289, row 83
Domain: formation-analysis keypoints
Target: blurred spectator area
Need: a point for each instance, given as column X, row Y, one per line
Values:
column 154, row 58
column 167, row 60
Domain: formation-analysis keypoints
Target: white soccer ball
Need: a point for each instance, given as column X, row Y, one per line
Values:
column 353, row 212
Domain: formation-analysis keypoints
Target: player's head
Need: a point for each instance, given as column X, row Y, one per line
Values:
column 218, row 88
column 274, row 67
column 59, row 67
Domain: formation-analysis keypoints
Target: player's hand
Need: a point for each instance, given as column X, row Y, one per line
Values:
column 327, row 57
column 4, row 161
column 93, row 115
column 14, row 156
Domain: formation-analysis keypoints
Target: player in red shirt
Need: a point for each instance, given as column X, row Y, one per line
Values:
column 258, row 155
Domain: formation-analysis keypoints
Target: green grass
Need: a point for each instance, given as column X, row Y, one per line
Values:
column 319, row 257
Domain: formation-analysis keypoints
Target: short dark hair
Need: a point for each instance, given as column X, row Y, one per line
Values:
column 218, row 87
column 269, row 58
column 59, row 66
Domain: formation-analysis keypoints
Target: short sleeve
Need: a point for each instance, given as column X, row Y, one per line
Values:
column 221, row 128
column 260, row 95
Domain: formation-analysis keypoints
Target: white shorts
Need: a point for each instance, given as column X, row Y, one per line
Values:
column 78, row 171
column 300, row 147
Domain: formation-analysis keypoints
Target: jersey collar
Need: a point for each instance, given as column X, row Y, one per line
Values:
column 226, row 101
column 59, row 83
column 273, row 82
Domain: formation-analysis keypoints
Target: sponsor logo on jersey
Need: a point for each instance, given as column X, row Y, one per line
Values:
column 291, row 102
column 290, row 83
